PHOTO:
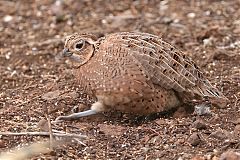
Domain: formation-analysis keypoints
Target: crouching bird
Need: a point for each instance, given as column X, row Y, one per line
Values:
column 135, row 73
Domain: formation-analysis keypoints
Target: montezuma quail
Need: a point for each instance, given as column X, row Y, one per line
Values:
column 135, row 73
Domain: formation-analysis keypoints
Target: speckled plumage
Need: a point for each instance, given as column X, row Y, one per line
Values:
column 136, row 72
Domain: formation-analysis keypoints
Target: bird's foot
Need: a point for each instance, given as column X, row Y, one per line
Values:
column 75, row 116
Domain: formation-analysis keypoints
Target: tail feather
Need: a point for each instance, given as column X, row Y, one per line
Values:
column 210, row 92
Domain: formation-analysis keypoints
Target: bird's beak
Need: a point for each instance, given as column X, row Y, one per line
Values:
column 66, row 53
column 72, row 56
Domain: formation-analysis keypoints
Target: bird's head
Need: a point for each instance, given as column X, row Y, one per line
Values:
column 79, row 47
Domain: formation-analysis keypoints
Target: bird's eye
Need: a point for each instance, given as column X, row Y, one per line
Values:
column 79, row 45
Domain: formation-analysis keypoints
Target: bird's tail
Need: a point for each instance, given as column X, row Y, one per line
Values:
column 206, row 90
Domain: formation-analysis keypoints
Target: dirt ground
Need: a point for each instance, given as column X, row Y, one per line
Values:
column 33, row 78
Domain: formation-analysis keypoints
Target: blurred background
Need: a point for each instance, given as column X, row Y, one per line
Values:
column 32, row 35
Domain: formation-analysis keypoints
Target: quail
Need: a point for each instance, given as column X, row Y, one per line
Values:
column 136, row 73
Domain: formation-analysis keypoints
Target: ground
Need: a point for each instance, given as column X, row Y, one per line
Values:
column 33, row 78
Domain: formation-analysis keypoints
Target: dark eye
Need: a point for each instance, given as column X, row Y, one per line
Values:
column 79, row 45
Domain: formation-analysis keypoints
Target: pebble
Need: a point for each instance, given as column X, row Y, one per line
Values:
column 2, row 144
column 43, row 125
column 199, row 124
column 220, row 134
column 194, row 139
column 236, row 131
column 202, row 109
column 191, row 15
column 7, row 18
column 208, row 42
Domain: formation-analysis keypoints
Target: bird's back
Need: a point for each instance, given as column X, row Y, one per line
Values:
column 165, row 65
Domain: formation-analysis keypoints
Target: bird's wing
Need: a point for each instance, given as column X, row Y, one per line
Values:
column 164, row 64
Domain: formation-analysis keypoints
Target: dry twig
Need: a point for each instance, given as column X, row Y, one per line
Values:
column 49, row 128
column 69, row 135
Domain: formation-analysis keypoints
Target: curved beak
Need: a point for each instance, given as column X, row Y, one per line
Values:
column 66, row 53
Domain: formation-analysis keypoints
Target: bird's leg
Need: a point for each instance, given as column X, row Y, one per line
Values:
column 76, row 115
column 96, row 108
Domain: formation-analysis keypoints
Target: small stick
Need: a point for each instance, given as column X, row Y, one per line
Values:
column 43, row 134
column 49, row 128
